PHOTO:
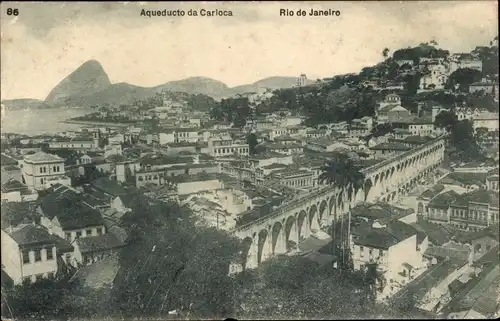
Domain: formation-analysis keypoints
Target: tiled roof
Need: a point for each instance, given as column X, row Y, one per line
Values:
column 13, row 213
column 481, row 295
column 380, row 211
column 447, row 199
column 30, row 234
column 433, row 191
column 384, row 237
column 40, row 157
column 483, row 196
column 13, row 185
column 70, row 209
column 6, row 160
column 274, row 166
column 391, row 146
column 421, row 285
column 99, row 243
column 491, row 231
column 464, row 178
column 491, row 257
column 418, row 139
column 110, row 187
column 437, row 234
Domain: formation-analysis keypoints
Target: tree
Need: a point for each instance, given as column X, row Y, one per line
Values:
column 174, row 262
column 381, row 130
column 43, row 299
column 446, row 119
column 296, row 287
column 385, row 53
column 463, row 77
column 252, row 143
column 344, row 174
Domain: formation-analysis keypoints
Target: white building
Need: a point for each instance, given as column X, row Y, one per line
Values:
column 302, row 80
column 485, row 120
column 394, row 245
column 435, row 77
column 39, row 168
column 226, row 146
column 30, row 252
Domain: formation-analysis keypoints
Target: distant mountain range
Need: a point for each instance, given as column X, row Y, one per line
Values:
column 89, row 85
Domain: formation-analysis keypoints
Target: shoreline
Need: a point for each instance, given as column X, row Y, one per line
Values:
column 96, row 123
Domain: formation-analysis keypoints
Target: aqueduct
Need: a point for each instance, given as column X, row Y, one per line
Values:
column 295, row 220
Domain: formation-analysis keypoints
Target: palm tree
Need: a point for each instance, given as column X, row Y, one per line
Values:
column 343, row 173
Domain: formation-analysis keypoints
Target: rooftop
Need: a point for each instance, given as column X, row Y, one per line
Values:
column 447, row 199
column 111, row 187
column 99, row 243
column 384, row 212
column 467, row 179
column 391, row 146
column 7, row 160
column 14, row 213
column 483, row 196
column 390, row 234
column 42, row 157
column 433, row 191
column 31, row 234
column 70, row 208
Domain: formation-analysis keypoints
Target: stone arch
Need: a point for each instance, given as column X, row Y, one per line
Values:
column 382, row 176
column 322, row 208
column 302, row 225
column 247, row 252
column 313, row 218
column 262, row 252
column 291, row 232
column 387, row 173
column 376, row 179
column 278, row 241
column 331, row 204
column 367, row 187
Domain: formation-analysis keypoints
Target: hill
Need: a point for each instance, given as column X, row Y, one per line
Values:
column 86, row 80
column 195, row 85
column 90, row 85
column 24, row 103
column 270, row 82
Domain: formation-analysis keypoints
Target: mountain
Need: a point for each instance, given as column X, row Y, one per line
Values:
column 24, row 103
column 87, row 79
column 271, row 83
column 90, row 85
column 196, row 85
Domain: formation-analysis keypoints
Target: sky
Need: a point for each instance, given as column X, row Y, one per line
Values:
column 47, row 41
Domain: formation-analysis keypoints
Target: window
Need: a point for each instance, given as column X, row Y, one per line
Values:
column 361, row 250
column 88, row 232
column 50, row 255
column 78, row 234
column 38, row 255
column 68, row 236
column 26, row 257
